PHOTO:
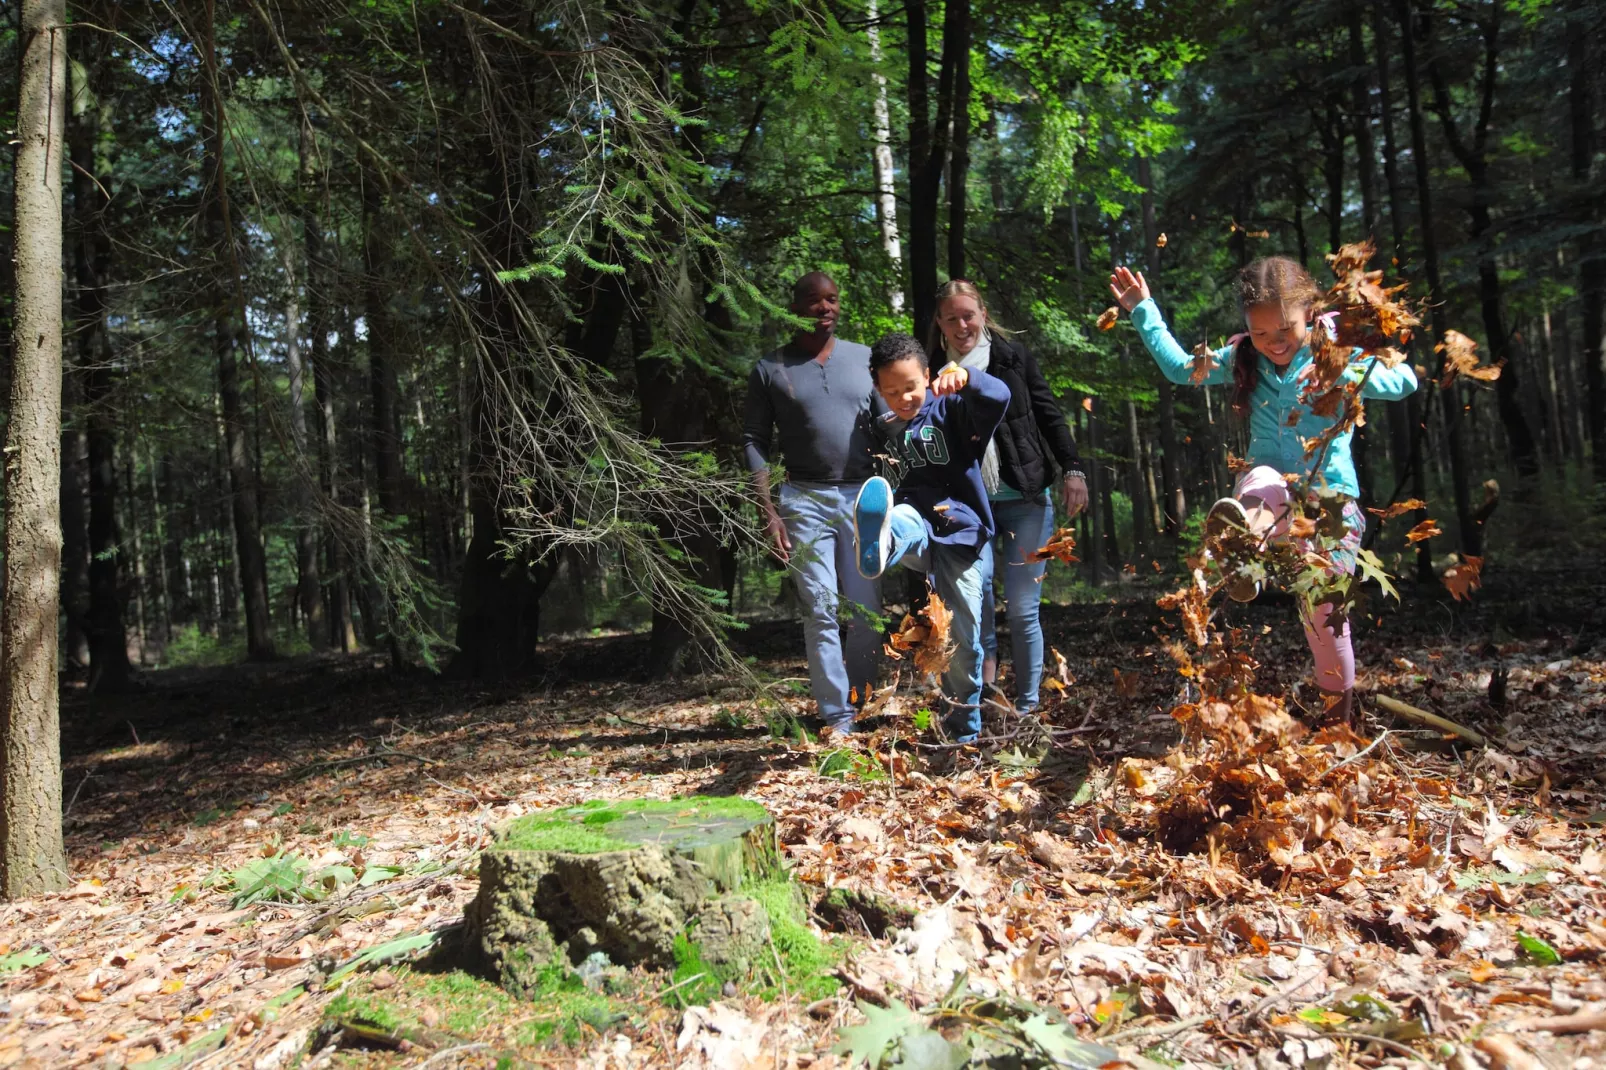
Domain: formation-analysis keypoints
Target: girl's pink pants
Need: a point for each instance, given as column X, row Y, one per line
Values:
column 1335, row 656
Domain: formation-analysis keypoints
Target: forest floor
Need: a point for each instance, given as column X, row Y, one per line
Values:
column 1458, row 912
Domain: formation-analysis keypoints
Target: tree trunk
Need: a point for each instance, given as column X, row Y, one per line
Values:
column 108, row 641
column 886, row 196
column 225, row 339
column 1400, row 413
column 342, row 634
column 136, row 534
column 1591, row 250
column 928, row 147
column 1474, row 161
column 499, row 607
column 1333, row 152
column 1140, row 498
column 959, row 167
column 1173, row 501
column 1095, row 504
column 1361, row 120
column 32, row 858
column 381, row 353
column 74, row 506
column 1470, row 530
column 309, row 595
column 164, row 590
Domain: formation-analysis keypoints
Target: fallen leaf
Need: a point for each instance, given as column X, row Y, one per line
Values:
column 1108, row 318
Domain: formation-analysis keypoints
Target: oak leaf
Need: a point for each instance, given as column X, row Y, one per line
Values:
column 1204, row 362
column 1394, row 509
column 1425, row 530
column 1461, row 358
column 1464, row 578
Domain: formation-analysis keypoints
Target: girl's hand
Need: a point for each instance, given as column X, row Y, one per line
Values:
column 1074, row 493
column 951, row 380
column 1130, row 289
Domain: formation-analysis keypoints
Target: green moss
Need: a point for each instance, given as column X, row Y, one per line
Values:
column 349, row 1007
column 807, row 959
column 561, row 1010
column 599, row 826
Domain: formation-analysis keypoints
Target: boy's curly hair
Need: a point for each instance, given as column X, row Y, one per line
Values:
column 894, row 347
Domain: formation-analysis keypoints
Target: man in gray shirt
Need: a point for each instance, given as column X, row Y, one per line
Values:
column 811, row 398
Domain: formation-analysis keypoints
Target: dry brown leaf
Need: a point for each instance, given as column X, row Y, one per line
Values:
column 1108, row 318
column 1461, row 358
column 1410, row 505
column 1061, row 547
column 1464, row 578
column 1426, row 530
column 1159, row 242
column 1204, row 362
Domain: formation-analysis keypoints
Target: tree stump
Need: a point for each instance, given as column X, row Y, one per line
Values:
column 645, row 882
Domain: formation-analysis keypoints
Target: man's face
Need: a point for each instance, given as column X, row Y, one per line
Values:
column 820, row 303
column 902, row 385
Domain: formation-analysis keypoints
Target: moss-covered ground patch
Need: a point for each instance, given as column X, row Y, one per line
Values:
column 599, row 826
column 562, row 1011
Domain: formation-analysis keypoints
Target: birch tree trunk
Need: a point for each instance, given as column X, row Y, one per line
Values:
column 32, row 858
column 886, row 198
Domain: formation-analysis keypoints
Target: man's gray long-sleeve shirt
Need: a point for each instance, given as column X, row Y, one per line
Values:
column 817, row 414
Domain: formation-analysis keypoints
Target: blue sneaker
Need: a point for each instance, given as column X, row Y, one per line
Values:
column 872, row 526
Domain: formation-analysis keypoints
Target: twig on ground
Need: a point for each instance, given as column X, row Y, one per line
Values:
column 334, row 763
column 1350, row 1034
column 1357, row 756
column 1160, row 1030
column 456, row 1050
column 87, row 778
column 1420, row 716
column 1582, row 1022
column 1280, row 995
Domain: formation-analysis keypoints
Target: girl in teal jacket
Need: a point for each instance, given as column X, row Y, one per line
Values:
column 1267, row 367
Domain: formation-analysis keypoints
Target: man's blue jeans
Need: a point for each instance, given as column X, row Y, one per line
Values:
column 839, row 605
column 1024, row 525
column 957, row 577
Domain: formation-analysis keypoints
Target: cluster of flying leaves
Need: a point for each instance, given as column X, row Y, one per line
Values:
column 1364, row 323
column 1249, row 784
column 1061, row 547
column 924, row 635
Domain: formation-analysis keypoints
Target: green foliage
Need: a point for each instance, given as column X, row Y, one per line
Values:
column 1537, row 950
column 283, row 878
column 22, row 959
column 846, row 764
column 997, row 1032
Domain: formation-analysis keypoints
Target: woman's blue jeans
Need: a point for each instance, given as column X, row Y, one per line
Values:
column 1023, row 526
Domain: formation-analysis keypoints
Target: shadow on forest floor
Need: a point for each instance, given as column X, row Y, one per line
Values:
column 189, row 741
column 178, row 788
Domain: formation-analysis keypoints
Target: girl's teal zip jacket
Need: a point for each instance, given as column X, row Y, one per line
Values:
column 1271, row 440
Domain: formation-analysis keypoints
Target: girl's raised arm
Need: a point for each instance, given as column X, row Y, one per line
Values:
column 1389, row 384
column 1131, row 291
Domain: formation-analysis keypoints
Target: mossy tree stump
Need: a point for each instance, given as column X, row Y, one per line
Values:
column 629, row 879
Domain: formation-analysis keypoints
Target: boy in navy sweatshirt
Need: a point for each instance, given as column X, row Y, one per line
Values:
column 939, row 521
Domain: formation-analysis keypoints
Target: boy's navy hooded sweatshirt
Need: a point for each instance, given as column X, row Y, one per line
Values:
column 938, row 455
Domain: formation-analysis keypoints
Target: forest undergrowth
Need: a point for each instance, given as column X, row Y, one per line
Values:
column 258, row 851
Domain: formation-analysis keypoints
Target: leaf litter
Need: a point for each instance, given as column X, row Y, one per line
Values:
column 1183, row 869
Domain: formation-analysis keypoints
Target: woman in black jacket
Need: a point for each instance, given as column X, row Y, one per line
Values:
column 1018, row 470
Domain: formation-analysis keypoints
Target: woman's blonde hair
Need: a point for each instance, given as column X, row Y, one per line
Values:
column 956, row 288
